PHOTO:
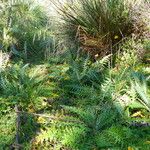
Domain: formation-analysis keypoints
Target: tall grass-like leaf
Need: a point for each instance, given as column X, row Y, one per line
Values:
column 99, row 24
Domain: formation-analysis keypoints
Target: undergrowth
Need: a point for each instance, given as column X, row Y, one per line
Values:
column 74, row 101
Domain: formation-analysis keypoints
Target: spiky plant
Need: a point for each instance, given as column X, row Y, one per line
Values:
column 99, row 25
column 23, row 86
column 81, row 79
column 139, row 83
column 101, row 126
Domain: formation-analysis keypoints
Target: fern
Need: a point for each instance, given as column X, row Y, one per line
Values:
column 97, row 117
column 84, row 69
column 21, row 87
column 101, row 63
column 7, row 129
column 141, row 88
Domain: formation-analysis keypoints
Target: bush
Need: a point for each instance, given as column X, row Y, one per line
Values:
column 99, row 25
column 26, row 30
column 23, row 86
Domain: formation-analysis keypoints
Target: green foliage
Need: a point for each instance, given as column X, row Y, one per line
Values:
column 76, row 102
column 97, row 128
column 82, row 77
column 25, row 28
column 128, row 54
column 28, row 129
column 7, row 129
column 97, row 113
column 141, row 89
column 98, row 25
column 102, row 12
column 147, row 52
column 27, row 88
column 121, row 137
column 23, row 86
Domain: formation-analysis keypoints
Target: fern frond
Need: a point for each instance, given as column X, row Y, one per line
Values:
column 140, row 85
column 100, row 64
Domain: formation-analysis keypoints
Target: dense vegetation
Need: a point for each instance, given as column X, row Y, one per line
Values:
column 80, row 82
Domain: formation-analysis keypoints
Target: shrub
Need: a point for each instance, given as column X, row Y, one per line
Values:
column 23, row 86
column 25, row 29
column 99, row 25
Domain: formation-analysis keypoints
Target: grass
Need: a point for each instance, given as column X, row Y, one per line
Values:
column 100, row 25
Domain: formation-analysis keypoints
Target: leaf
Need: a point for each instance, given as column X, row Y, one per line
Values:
column 130, row 148
column 137, row 114
column 136, row 105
